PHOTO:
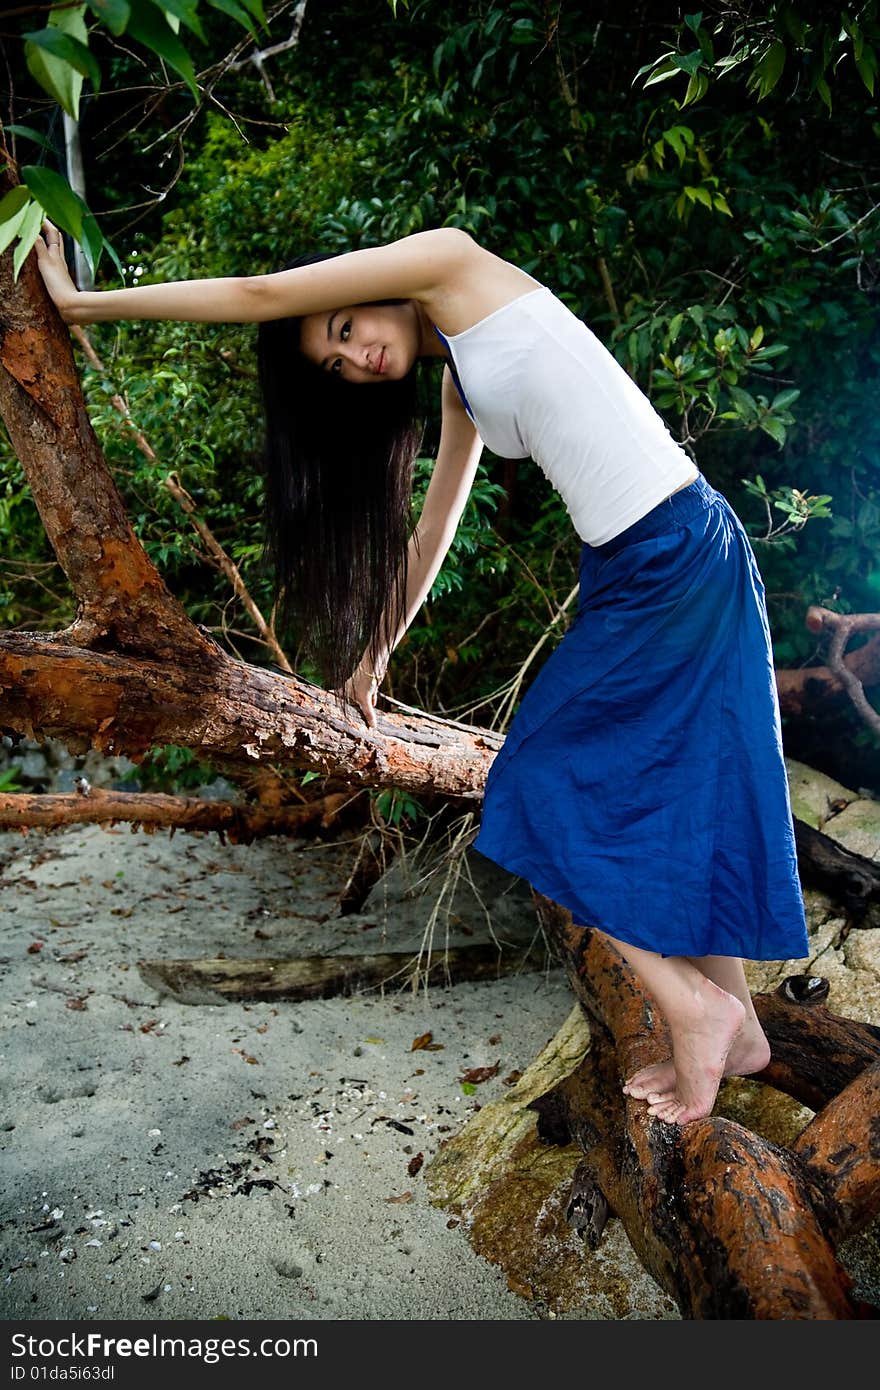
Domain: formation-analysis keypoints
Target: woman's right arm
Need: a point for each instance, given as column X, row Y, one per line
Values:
column 448, row 490
column 416, row 267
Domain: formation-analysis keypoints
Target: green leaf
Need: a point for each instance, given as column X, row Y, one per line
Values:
column 14, row 201
column 114, row 13
column 255, row 7
column 693, row 21
column 13, row 211
column 785, row 399
column 794, row 24
column 62, row 205
column 469, row 1088
column 660, row 74
column 55, row 75
column 92, row 241
column 776, row 350
column 28, row 233
column 523, row 31
column 744, row 402
column 185, row 11
column 236, row 12
column 688, row 62
column 69, row 50
column 774, row 428
column 27, row 133
column 769, row 70
column 696, row 88
column 150, row 27
column 674, row 137
column 114, row 258
column 867, row 68
column 720, row 202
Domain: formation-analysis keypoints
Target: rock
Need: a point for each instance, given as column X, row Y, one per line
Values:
column 862, row 951
column 813, row 794
column 218, row 790
column 857, row 827
column 32, row 766
column 764, row 976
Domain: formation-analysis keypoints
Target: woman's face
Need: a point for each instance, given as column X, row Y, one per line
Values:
column 363, row 342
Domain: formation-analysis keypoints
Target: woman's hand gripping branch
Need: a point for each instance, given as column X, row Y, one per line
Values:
column 53, row 268
column 361, row 689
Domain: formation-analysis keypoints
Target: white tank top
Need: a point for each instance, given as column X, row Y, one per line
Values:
column 537, row 382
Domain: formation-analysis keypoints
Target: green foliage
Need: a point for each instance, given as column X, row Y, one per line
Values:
column 760, row 47
column 711, row 218
column 398, row 808
column 171, row 769
column 796, row 506
column 10, row 779
column 59, row 57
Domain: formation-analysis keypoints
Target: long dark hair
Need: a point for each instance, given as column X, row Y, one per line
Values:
column 339, row 463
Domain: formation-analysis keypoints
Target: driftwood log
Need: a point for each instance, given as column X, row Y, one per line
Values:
column 322, row 977
column 730, row 1225
column 852, row 878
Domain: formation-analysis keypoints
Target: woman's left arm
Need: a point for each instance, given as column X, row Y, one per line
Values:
column 445, row 499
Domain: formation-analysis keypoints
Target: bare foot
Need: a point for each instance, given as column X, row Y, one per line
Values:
column 749, row 1052
column 702, row 1037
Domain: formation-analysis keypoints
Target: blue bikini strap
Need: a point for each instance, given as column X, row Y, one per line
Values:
column 454, row 370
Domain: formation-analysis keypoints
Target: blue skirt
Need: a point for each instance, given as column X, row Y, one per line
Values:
column 642, row 782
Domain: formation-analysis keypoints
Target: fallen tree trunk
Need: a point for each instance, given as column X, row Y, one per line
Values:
column 730, row 1225
column 133, row 670
column 231, row 713
column 239, row 824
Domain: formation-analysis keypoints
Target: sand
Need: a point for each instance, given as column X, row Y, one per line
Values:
column 176, row 1160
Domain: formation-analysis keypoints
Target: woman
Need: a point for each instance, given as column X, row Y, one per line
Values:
column 642, row 783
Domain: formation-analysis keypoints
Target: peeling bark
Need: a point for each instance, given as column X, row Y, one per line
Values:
column 231, row 712
column 841, row 1152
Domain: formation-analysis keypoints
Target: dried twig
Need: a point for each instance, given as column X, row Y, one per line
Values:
column 259, row 56
column 516, row 684
column 843, row 626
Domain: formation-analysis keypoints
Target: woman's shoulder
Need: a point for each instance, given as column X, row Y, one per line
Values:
column 477, row 283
